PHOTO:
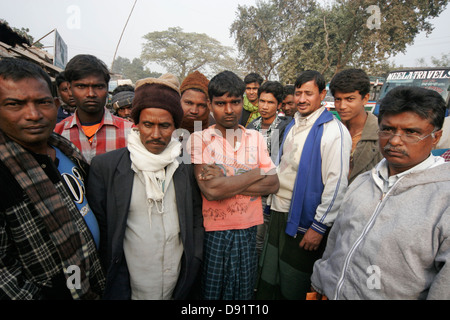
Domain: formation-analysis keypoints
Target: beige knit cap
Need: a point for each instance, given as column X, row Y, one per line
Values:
column 167, row 79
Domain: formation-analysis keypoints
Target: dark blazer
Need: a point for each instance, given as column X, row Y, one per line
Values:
column 109, row 188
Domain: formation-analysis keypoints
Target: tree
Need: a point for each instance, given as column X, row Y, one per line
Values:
column 133, row 70
column 260, row 32
column 182, row 53
column 342, row 34
column 442, row 62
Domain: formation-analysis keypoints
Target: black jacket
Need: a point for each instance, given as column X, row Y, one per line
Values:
column 109, row 193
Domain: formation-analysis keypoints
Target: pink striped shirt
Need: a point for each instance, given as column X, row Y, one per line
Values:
column 111, row 135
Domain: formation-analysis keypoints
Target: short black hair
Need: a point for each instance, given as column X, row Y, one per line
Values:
column 351, row 80
column 253, row 77
column 226, row 82
column 84, row 65
column 427, row 104
column 273, row 87
column 18, row 69
column 310, row 75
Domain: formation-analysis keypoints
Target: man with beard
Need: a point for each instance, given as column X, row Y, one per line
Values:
column 93, row 129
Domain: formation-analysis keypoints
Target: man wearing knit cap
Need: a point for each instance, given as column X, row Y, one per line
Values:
column 148, row 204
column 195, row 102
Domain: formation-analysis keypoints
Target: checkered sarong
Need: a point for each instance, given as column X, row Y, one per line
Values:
column 230, row 264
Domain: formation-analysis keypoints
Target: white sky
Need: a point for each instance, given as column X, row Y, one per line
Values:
column 95, row 26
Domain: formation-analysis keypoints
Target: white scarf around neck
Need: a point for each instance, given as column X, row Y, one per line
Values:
column 150, row 168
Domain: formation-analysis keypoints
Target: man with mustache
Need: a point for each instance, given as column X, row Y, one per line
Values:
column 391, row 239
column 148, row 203
column 93, row 129
column 313, row 169
column 48, row 233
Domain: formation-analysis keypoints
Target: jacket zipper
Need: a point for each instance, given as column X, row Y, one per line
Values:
column 358, row 241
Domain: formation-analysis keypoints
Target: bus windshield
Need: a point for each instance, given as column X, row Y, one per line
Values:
column 430, row 78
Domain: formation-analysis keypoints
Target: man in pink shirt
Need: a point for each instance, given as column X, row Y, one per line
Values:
column 233, row 170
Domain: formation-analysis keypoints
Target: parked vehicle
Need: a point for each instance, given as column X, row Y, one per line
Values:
column 437, row 79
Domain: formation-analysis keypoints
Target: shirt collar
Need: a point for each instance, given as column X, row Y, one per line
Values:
column 386, row 182
column 308, row 120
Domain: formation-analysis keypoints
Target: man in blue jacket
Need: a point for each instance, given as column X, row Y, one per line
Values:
column 314, row 163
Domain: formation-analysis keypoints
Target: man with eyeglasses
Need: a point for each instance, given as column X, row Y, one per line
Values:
column 391, row 239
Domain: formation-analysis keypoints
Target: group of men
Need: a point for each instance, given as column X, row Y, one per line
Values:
column 96, row 206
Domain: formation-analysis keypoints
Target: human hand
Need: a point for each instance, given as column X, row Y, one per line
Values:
column 210, row 171
column 311, row 240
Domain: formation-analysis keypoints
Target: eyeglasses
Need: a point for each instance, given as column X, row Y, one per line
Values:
column 407, row 138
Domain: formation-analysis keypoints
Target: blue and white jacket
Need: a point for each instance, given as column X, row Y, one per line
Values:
column 321, row 179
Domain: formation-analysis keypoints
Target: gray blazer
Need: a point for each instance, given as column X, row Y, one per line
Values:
column 109, row 187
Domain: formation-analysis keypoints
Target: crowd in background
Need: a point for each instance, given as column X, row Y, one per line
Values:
column 219, row 189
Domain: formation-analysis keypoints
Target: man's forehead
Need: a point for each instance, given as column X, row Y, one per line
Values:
column 308, row 86
column 252, row 85
column 91, row 79
column 9, row 84
column 407, row 119
column 227, row 96
column 346, row 94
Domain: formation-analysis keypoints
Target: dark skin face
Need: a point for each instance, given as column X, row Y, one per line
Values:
column 308, row 98
column 268, row 107
column 194, row 104
column 403, row 156
column 66, row 95
column 227, row 111
column 27, row 112
column 288, row 106
column 251, row 90
column 90, row 94
column 125, row 112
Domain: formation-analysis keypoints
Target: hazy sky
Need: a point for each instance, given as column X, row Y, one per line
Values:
column 95, row 26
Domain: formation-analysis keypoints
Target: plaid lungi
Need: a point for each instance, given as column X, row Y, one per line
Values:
column 285, row 269
column 230, row 264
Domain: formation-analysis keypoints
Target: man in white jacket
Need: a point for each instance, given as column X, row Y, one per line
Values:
column 314, row 162
column 391, row 239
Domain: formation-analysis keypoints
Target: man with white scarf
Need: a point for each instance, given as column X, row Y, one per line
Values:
column 148, row 204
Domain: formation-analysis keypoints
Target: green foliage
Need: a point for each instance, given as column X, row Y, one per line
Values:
column 133, row 70
column 284, row 37
column 182, row 53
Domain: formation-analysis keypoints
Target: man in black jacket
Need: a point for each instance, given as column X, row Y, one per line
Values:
column 148, row 204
